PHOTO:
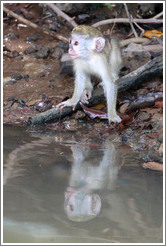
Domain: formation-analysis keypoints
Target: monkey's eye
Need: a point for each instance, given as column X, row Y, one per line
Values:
column 76, row 43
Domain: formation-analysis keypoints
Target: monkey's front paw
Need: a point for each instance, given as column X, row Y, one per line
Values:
column 67, row 103
column 114, row 118
column 86, row 95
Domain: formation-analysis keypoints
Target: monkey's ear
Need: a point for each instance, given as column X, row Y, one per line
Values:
column 99, row 44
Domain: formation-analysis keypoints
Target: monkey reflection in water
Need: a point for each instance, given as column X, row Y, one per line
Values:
column 93, row 54
column 89, row 174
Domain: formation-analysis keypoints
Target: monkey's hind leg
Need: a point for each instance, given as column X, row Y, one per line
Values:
column 111, row 95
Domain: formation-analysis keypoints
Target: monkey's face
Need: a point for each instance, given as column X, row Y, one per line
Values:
column 77, row 47
column 81, row 46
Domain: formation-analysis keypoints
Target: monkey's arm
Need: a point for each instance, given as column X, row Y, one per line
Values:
column 87, row 93
column 81, row 91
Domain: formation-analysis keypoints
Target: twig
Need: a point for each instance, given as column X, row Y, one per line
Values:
column 112, row 28
column 62, row 14
column 158, row 15
column 125, row 20
column 27, row 22
column 142, row 30
column 31, row 24
column 129, row 17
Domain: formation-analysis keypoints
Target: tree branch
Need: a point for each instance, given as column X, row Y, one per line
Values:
column 31, row 24
column 130, row 21
column 125, row 20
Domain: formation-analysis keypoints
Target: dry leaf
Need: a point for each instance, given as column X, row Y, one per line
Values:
column 152, row 33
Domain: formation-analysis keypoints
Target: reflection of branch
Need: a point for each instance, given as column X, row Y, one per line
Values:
column 62, row 14
column 31, row 24
column 126, row 20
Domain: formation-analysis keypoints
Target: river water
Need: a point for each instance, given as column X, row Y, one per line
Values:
column 59, row 189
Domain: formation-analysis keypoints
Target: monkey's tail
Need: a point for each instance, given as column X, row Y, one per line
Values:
column 115, row 58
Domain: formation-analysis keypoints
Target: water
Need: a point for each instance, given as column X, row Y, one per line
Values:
column 60, row 189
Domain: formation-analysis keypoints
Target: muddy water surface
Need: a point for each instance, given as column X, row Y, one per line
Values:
column 61, row 189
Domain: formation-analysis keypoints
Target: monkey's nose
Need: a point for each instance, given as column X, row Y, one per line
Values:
column 70, row 50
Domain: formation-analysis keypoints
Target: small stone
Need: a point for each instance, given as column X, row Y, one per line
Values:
column 15, row 53
column 17, row 76
column 79, row 115
column 11, row 36
column 57, row 53
column 63, row 45
column 26, row 76
column 10, row 99
column 11, row 82
column 66, row 68
column 30, row 50
column 143, row 116
column 40, row 75
column 54, row 26
column 31, row 39
column 51, row 86
column 43, row 52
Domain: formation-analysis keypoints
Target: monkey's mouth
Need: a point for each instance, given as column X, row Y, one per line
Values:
column 73, row 56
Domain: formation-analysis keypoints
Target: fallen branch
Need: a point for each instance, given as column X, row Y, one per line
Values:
column 150, row 69
column 62, row 14
column 31, row 24
column 144, row 101
column 125, row 20
column 134, row 40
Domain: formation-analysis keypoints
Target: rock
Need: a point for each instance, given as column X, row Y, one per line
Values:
column 42, row 106
column 39, row 51
column 54, row 27
column 79, row 115
column 10, row 99
column 15, row 53
column 43, row 52
column 31, row 39
column 17, row 76
column 147, row 10
column 73, row 8
column 26, row 76
column 42, row 74
column 63, row 45
column 82, row 18
column 11, row 82
column 143, row 116
column 57, row 53
column 71, row 125
column 11, row 36
column 66, row 68
column 51, row 86
column 31, row 49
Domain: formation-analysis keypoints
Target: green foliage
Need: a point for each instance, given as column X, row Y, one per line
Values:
column 108, row 5
column 100, row 5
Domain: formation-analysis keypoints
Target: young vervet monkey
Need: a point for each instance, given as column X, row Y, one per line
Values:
column 93, row 54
